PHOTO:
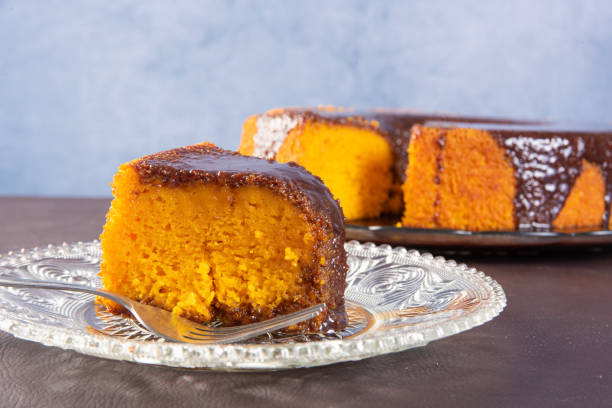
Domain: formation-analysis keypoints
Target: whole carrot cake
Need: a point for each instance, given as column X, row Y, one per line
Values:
column 211, row 234
column 444, row 171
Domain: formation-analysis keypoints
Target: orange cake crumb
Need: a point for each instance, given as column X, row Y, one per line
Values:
column 584, row 206
column 458, row 179
column 421, row 188
column 477, row 184
column 360, row 176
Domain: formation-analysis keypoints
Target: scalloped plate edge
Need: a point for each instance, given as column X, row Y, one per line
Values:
column 242, row 356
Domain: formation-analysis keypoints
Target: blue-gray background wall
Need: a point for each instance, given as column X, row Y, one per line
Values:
column 86, row 85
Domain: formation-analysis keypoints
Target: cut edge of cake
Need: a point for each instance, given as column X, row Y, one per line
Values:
column 232, row 215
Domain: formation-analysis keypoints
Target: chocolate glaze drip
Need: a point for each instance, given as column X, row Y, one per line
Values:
column 441, row 141
column 545, row 171
column 210, row 164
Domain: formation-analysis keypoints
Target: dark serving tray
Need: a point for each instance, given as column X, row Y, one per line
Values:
column 385, row 230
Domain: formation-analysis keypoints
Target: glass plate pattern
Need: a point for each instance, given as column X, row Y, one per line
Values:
column 396, row 300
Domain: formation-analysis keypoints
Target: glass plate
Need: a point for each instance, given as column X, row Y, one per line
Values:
column 385, row 230
column 396, row 300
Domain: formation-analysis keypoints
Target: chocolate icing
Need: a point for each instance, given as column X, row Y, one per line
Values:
column 209, row 164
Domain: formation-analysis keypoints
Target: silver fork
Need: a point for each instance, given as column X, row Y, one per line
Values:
column 172, row 327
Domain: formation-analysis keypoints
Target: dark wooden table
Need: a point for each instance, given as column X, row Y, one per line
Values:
column 552, row 346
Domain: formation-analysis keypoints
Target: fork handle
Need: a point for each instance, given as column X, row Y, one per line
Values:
column 40, row 284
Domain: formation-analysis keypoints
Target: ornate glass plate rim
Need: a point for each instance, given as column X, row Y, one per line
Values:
column 491, row 302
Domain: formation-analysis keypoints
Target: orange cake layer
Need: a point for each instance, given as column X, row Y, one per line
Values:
column 441, row 171
column 210, row 234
